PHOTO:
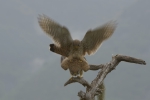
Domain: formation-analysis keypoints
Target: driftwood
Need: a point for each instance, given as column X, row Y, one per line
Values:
column 92, row 89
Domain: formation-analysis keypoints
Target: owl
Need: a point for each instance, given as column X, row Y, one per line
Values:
column 75, row 50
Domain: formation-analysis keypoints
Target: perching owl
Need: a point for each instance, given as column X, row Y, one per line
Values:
column 75, row 66
column 75, row 50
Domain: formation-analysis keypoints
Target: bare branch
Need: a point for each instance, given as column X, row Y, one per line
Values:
column 82, row 80
column 79, row 80
column 105, row 69
column 96, row 67
column 93, row 88
column 130, row 59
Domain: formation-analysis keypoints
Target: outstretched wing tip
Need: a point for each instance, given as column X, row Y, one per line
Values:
column 57, row 32
column 113, row 23
column 94, row 38
column 40, row 16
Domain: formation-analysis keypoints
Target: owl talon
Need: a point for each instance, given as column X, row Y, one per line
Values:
column 79, row 76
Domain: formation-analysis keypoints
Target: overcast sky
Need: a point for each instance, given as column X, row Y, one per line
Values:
column 24, row 46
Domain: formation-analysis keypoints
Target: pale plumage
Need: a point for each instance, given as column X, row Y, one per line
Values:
column 94, row 38
column 75, row 50
column 60, row 34
column 75, row 66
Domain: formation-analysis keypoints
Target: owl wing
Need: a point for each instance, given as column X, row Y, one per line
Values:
column 59, row 50
column 60, row 34
column 94, row 38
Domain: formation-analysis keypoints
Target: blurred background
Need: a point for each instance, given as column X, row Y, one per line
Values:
column 29, row 71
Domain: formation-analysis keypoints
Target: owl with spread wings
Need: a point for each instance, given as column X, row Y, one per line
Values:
column 74, row 51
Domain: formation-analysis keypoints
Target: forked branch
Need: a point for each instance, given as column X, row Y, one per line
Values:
column 92, row 89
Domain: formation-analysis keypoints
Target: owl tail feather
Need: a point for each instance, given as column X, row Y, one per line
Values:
column 52, row 47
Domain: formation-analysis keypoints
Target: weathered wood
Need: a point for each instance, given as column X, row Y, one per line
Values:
column 96, row 67
column 93, row 89
column 79, row 80
column 105, row 69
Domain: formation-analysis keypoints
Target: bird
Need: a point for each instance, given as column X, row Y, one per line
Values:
column 74, row 51
column 75, row 66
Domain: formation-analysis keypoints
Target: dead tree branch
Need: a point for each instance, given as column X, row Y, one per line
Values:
column 96, row 67
column 79, row 80
column 92, row 89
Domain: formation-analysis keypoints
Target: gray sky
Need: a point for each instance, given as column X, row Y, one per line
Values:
column 30, row 71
